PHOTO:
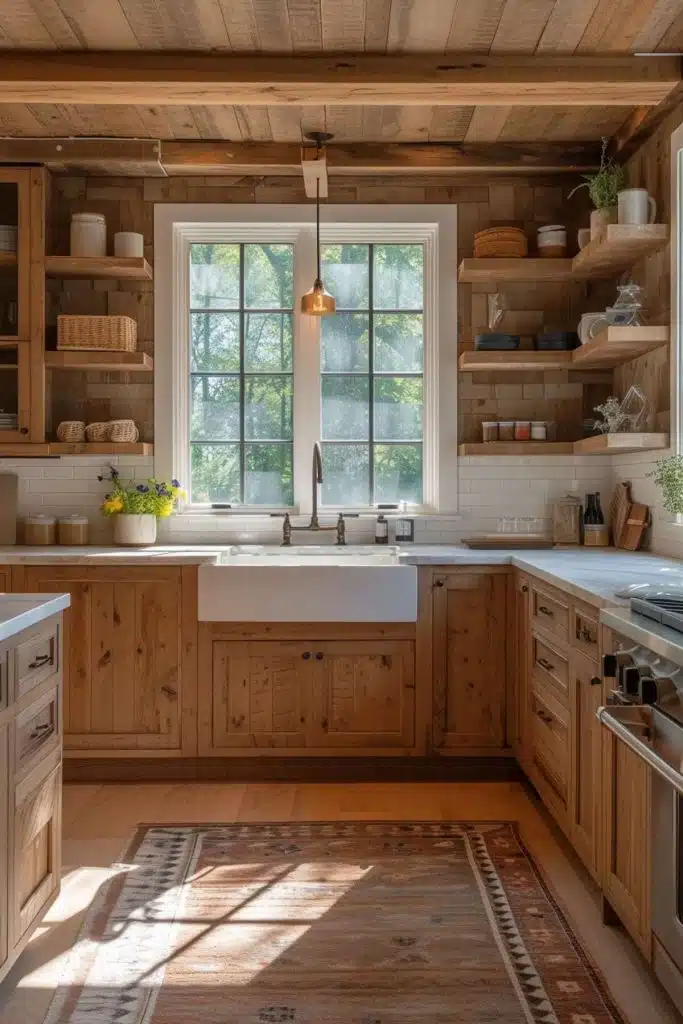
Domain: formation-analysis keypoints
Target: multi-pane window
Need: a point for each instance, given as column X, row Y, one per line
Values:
column 372, row 374
column 241, row 373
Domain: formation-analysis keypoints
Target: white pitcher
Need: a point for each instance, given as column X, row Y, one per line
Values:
column 636, row 206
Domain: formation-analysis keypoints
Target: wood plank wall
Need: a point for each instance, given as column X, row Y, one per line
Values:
column 128, row 204
column 650, row 168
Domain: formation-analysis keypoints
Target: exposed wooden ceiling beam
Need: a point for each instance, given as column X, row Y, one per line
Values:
column 132, row 156
column 642, row 123
column 380, row 158
column 356, row 79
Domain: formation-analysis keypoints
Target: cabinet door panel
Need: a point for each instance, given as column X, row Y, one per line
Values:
column 586, row 793
column 626, row 853
column 35, row 870
column 122, row 642
column 470, row 661
column 4, row 844
column 363, row 695
column 260, row 695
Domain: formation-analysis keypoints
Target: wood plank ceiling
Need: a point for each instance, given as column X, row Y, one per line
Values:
column 284, row 26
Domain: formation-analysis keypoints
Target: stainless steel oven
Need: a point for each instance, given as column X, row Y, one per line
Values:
column 667, row 884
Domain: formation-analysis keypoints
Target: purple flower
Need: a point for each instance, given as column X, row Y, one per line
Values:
column 175, row 483
column 142, row 488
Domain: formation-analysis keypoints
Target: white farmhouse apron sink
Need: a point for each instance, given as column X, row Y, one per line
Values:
column 308, row 584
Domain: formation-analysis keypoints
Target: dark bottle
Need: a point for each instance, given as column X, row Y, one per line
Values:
column 600, row 520
column 589, row 512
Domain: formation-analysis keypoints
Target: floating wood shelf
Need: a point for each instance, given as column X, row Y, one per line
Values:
column 480, row 362
column 618, row 248
column 620, row 444
column 474, row 270
column 604, row 444
column 23, row 450
column 617, row 345
column 518, row 448
column 71, row 360
column 129, row 268
column 105, row 448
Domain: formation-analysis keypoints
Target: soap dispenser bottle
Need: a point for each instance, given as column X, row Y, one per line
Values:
column 382, row 529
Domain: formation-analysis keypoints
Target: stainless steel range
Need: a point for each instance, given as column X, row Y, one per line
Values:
column 646, row 712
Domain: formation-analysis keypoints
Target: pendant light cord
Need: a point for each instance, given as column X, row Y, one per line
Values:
column 317, row 219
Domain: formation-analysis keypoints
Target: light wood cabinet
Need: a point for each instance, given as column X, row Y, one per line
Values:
column 550, row 763
column 5, row 579
column 518, row 729
column 4, row 845
column 625, row 875
column 469, row 634
column 130, row 652
column 586, row 759
column 309, row 697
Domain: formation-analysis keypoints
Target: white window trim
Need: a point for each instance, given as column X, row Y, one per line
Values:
column 676, row 243
column 177, row 226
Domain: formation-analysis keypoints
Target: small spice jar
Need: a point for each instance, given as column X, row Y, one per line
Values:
column 539, row 430
column 522, row 430
column 506, row 430
column 489, row 430
column 552, row 241
column 40, row 531
column 72, row 531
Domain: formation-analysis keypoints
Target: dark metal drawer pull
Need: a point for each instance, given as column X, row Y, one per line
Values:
column 306, row 655
column 546, row 611
column 596, row 681
column 547, row 665
column 42, row 659
column 319, row 656
column 585, row 634
column 39, row 730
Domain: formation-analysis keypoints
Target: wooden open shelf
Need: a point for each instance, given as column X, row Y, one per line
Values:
column 504, row 362
column 517, row 448
column 617, row 345
column 620, row 444
column 472, row 270
column 73, row 360
column 618, row 248
column 8, row 260
column 105, row 448
column 121, row 268
column 612, row 347
column 603, row 444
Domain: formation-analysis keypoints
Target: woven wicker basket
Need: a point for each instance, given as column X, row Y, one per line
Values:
column 122, row 431
column 97, row 333
column 71, row 431
column 95, row 432
column 500, row 242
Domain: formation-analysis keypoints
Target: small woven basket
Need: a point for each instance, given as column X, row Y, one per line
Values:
column 97, row 333
column 500, row 242
column 71, row 431
column 95, row 432
column 122, row 431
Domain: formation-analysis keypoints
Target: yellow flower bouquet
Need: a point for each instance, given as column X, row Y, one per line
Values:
column 154, row 498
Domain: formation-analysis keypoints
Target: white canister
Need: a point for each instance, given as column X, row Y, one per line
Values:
column 129, row 243
column 552, row 240
column 636, row 206
column 8, row 238
column 135, row 530
column 88, row 234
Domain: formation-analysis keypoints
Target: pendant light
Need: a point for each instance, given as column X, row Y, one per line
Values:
column 317, row 301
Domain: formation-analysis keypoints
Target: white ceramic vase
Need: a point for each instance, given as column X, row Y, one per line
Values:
column 600, row 219
column 135, row 530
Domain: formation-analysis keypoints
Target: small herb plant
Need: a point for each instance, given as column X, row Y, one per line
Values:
column 612, row 419
column 603, row 186
column 668, row 475
column 153, row 498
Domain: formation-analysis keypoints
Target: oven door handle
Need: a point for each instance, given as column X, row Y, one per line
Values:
column 627, row 732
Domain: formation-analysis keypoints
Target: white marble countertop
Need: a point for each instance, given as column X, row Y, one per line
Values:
column 593, row 576
column 18, row 612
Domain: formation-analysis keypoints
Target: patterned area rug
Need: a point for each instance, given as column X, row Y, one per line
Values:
column 344, row 923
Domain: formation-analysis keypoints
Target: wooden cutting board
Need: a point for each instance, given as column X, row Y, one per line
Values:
column 9, row 492
column 621, row 507
column 494, row 541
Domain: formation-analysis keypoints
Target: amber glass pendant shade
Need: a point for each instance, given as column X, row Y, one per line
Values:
column 318, row 302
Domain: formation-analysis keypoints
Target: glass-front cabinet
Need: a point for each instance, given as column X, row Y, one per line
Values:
column 15, row 311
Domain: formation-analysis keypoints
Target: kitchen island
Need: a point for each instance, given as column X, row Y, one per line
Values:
column 30, row 764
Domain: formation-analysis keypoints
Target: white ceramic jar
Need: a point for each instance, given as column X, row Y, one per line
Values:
column 552, row 240
column 135, row 530
column 129, row 243
column 88, row 236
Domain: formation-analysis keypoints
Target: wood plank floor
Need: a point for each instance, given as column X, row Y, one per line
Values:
column 99, row 818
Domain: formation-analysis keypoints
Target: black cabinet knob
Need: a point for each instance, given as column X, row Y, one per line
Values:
column 319, row 656
column 306, row 655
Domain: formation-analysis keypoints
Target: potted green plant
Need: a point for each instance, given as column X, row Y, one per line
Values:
column 135, row 507
column 668, row 475
column 603, row 188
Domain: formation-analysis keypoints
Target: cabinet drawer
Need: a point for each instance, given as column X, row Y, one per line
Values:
column 36, row 658
column 551, row 668
column 550, row 744
column 550, row 612
column 585, row 630
column 36, row 729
